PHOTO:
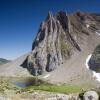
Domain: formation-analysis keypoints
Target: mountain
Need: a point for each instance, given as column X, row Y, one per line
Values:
column 3, row 61
column 60, row 50
column 14, row 69
column 60, row 37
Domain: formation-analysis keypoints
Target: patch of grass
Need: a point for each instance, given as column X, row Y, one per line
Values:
column 9, row 90
column 66, row 89
column 60, row 89
column 65, row 49
column 5, row 84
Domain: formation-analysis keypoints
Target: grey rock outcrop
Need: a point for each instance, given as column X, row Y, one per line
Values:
column 64, row 97
column 94, row 62
column 58, row 38
column 90, row 95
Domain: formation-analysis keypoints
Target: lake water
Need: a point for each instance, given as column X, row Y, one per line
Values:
column 23, row 83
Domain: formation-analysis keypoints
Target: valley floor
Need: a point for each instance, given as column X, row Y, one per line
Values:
column 40, row 91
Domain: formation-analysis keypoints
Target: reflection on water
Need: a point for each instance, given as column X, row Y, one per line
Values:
column 23, row 83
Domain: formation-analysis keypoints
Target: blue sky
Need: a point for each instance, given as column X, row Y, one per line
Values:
column 20, row 20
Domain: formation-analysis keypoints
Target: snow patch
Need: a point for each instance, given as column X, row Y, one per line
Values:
column 87, row 25
column 46, row 76
column 87, row 60
column 96, row 75
column 98, row 33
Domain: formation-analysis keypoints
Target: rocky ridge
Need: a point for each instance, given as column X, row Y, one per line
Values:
column 59, row 37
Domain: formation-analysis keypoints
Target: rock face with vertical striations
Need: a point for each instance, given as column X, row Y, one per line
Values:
column 58, row 38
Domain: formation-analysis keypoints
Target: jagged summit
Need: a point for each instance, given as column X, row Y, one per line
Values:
column 61, row 49
column 50, row 15
column 59, row 37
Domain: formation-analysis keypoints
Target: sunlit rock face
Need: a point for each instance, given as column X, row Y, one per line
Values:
column 94, row 62
column 58, row 38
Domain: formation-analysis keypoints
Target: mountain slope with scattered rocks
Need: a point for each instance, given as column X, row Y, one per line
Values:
column 60, row 49
column 13, row 68
column 63, row 38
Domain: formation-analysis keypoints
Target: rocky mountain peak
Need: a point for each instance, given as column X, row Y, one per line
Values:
column 50, row 15
column 58, row 38
column 63, row 19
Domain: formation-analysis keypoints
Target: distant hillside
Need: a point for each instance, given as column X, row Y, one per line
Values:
column 3, row 61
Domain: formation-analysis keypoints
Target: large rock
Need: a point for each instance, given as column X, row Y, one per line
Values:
column 90, row 95
column 58, row 38
column 94, row 62
column 64, row 97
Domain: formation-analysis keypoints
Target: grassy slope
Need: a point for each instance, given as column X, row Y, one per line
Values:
column 9, row 90
column 5, row 83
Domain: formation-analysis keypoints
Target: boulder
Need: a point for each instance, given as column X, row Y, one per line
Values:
column 94, row 62
column 90, row 95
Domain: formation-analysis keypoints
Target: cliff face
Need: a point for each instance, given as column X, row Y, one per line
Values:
column 95, row 60
column 58, row 38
